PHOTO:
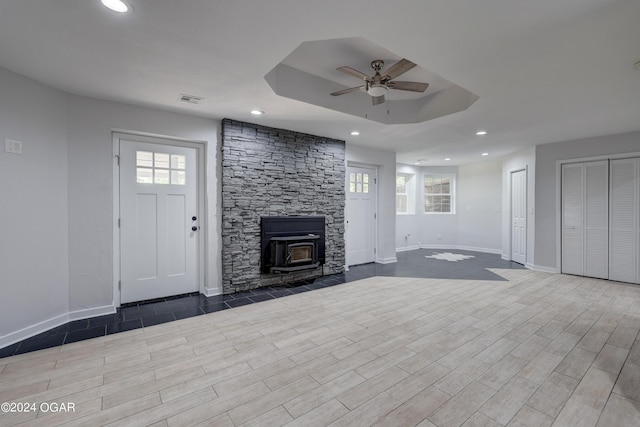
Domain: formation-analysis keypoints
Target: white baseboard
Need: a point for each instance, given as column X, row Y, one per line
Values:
column 387, row 260
column 542, row 268
column 91, row 312
column 438, row 247
column 458, row 247
column 407, row 248
column 61, row 319
column 211, row 292
column 483, row 250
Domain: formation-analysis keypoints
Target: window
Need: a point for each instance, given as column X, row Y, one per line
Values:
column 402, row 194
column 439, row 194
column 160, row 168
column 358, row 182
column 405, row 193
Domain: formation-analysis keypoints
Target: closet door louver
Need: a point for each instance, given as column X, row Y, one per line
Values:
column 624, row 233
column 596, row 219
column 572, row 215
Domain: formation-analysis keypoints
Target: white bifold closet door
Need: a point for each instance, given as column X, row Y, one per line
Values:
column 625, row 218
column 585, row 221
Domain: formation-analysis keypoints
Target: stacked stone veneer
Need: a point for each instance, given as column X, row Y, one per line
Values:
column 276, row 172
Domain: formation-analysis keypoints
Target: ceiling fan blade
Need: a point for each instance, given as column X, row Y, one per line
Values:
column 377, row 100
column 398, row 69
column 410, row 86
column 353, row 72
column 343, row 91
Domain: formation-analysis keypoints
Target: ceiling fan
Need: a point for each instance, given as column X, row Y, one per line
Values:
column 378, row 85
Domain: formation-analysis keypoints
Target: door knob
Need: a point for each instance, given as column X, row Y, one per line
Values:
column 194, row 228
column 193, row 218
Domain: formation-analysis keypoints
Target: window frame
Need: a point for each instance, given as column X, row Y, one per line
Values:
column 451, row 193
column 409, row 193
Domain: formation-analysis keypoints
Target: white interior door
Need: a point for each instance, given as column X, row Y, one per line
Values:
column 624, row 258
column 585, row 219
column 361, row 215
column 596, row 219
column 572, row 219
column 158, row 232
column 519, row 216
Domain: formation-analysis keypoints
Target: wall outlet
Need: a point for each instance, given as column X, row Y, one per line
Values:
column 12, row 146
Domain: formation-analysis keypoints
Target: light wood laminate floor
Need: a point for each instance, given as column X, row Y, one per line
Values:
column 537, row 350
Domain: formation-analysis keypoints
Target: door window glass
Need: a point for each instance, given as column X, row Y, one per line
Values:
column 358, row 182
column 160, row 168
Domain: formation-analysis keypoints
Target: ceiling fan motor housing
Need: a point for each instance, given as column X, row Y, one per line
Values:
column 377, row 65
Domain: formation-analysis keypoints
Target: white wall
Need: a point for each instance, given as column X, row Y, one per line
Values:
column 547, row 157
column 475, row 225
column 426, row 230
column 437, row 230
column 386, row 164
column 523, row 159
column 409, row 226
column 33, row 215
column 479, row 209
column 56, row 238
column 91, row 122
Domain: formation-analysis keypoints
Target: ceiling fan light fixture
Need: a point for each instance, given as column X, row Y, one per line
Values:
column 116, row 5
column 378, row 90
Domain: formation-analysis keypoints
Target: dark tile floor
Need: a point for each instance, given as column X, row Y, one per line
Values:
column 147, row 313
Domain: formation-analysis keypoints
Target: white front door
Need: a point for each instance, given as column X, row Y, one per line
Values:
column 361, row 215
column 158, row 220
column 519, row 216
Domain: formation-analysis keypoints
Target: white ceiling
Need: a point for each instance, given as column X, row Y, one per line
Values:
column 545, row 70
column 309, row 74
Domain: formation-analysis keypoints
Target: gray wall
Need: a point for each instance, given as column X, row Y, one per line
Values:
column 385, row 163
column 276, row 172
column 91, row 122
column 34, row 242
column 520, row 160
column 547, row 157
column 479, row 208
column 57, row 238
column 476, row 222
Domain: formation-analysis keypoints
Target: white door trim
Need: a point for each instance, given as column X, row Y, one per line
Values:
column 376, row 173
column 200, row 147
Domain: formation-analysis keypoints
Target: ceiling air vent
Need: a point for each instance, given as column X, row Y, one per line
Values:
column 191, row 99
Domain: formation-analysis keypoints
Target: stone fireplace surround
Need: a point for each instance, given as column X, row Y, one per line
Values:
column 277, row 172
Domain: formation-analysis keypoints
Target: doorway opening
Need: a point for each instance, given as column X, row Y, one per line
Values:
column 159, row 225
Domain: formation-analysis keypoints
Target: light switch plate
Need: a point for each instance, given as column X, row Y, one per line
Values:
column 12, row 146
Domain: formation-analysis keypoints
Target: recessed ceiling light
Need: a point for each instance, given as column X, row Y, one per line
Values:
column 116, row 5
column 481, row 132
column 485, row 154
column 446, row 159
column 355, row 133
column 257, row 112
